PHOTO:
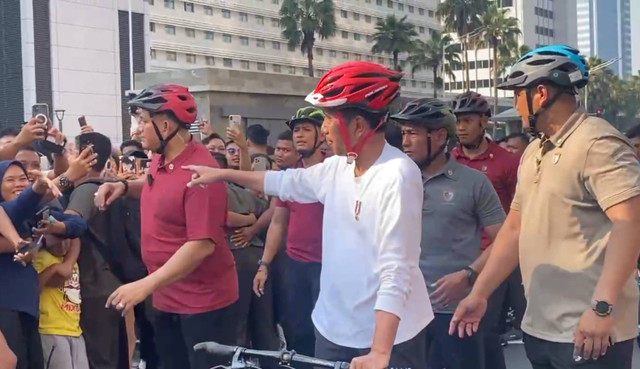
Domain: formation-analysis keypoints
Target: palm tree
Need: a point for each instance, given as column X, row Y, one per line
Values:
column 461, row 17
column 301, row 20
column 393, row 36
column 430, row 54
column 498, row 29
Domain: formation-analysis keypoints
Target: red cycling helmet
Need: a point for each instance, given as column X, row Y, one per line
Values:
column 366, row 86
column 168, row 97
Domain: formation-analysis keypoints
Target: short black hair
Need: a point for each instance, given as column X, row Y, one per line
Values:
column 373, row 119
column 10, row 131
column 258, row 134
column 128, row 143
column 101, row 146
column 519, row 135
column 285, row 136
column 211, row 137
column 633, row 132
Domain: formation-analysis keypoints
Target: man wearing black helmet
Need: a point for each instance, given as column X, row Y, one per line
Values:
column 183, row 238
column 478, row 152
column 573, row 225
column 459, row 202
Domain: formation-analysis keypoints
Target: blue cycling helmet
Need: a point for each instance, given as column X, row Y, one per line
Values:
column 559, row 65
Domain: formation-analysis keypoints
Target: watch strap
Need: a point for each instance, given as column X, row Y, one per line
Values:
column 471, row 274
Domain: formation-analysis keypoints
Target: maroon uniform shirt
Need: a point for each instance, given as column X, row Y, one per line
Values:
column 171, row 215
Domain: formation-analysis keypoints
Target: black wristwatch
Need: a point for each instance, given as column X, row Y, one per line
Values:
column 65, row 183
column 263, row 263
column 602, row 308
column 471, row 274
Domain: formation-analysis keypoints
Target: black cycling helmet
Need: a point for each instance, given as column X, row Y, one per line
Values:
column 309, row 114
column 431, row 113
column 471, row 102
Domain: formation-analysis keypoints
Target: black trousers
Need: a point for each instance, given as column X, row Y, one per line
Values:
column 176, row 334
column 303, row 289
column 406, row 355
column 20, row 330
column 256, row 320
column 451, row 352
column 105, row 334
column 144, row 315
column 552, row 355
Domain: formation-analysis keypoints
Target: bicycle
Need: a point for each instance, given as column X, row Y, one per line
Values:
column 244, row 358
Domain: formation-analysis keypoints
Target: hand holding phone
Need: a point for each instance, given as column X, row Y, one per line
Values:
column 235, row 121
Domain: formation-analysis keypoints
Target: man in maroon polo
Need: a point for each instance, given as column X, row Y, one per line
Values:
column 191, row 269
column 501, row 166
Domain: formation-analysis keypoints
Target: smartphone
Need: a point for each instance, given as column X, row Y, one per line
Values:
column 144, row 165
column 33, row 245
column 41, row 111
column 46, row 214
column 235, row 121
column 82, row 121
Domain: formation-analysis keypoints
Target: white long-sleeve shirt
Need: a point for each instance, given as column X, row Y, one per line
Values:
column 367, row 264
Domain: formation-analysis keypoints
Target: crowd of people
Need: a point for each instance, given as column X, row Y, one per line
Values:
column 403, row 240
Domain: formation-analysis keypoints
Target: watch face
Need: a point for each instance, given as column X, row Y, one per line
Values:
column 602, row 307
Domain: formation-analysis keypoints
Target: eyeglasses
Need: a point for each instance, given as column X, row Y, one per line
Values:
column 232, row 151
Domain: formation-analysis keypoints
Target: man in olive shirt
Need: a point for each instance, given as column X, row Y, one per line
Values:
column 574, row 221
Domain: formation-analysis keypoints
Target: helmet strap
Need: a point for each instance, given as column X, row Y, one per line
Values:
column 533, row 117
column 316, row 146
column 431, row 157
column 163, row 141
column 353, row 151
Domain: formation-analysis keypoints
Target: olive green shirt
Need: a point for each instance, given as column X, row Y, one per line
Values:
column 565, row 185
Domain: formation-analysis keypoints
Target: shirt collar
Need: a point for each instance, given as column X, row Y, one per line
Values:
column 179, row 160
column 489, row 153
column 450, row 170
column 559, row 138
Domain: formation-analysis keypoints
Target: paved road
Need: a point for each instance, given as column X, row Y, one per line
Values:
column 517, row 359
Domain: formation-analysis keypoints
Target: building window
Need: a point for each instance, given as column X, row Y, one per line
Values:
column 226, row 38
column 357, row 36
column 431, row 14
column 319, row 52
column 275, row 45
column 259, row 19
column 169, row 4
column 369, row 38
column 367, row 1
column 292, row 70
column 244, row 41
column 243, row 17
column 403, row 83
column 380, row 60
column 170, row 30
column 421, row 29
column 423, row 84
column 420, row 11
column 390, row 4
column 152, row 27
column 208, row 35
column 226, row 13
column 275, row 23
column 411, row 8
column 369, row 58
column 358, row 57
column 400, row 7
column 188, row 7
column 190, row 32
column 291, row 48
column 277, row 68
column 227, row 62
column 344, row 14
column 244, row 64
column 262, row 67
column 260, row 43
column 506, row 3
column 345, row 55
column 191, row 58
column 367, row 18
column 332, row 53
column 210, row 60
column 304, row 71
column 356, row 16
column 275, row 2
column 413, row 83
column 345, row 34
column 379, row 2
column 171, row 56
column 153, row 54
column 150, row 2
column 208, row 10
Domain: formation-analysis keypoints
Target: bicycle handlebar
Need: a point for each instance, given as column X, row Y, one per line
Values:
column 284, row 356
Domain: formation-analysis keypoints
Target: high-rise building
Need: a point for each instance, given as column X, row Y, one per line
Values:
column 246, row 35
column 72, row 55
column 542, row 22
column 604, row 31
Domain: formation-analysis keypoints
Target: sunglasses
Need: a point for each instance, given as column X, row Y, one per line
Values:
column 232, row 151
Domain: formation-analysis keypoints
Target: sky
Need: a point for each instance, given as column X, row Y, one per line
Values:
column 635, row 34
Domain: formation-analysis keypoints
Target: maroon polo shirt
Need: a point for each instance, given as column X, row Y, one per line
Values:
column 171, row 215
column 500, row 166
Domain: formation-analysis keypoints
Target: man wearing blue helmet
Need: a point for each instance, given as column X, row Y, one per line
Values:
column 572, row 225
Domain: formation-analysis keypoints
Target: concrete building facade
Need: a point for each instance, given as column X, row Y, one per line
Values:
column 604, row 31
column 246, row 35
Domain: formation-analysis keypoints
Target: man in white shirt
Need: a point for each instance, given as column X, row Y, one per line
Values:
column 373, row 305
